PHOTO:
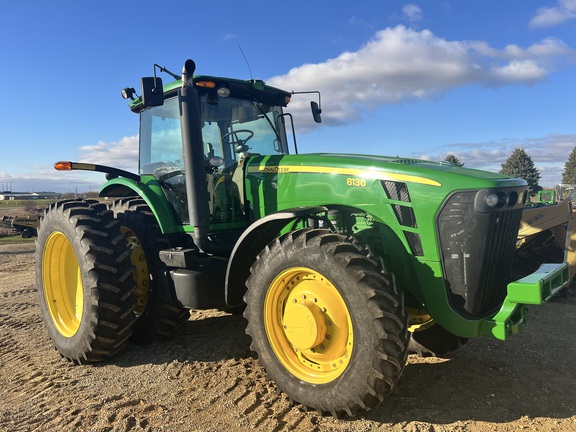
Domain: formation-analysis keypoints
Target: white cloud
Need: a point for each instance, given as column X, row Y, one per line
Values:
column 46, row 179
column 526, row 70
column 121, row 154
column 564, row 10
column 401, row 64
column 412, row 12
column 548, row 153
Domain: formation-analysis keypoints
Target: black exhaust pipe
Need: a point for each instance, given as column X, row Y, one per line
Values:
column 196, row 190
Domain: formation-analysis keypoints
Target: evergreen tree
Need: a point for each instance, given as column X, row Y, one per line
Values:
column 453, row 160
column 569, row 175
column 520, row 165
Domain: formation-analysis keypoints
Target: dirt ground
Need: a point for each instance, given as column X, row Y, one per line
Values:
column 206, row 379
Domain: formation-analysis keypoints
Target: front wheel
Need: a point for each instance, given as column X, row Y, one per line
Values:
column 327, row 324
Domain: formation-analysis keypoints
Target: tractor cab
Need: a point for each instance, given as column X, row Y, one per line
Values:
column 233, row 128
column 195, row 135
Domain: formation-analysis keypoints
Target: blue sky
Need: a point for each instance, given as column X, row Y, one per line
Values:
column 476, row 78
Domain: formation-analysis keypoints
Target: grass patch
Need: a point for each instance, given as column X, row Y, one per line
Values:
column 9, row 204
column 15, row 240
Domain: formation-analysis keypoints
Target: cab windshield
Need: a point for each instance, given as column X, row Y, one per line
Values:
column 231, row 129
column 236, row 128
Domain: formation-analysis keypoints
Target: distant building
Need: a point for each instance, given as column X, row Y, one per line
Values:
column 25, row 195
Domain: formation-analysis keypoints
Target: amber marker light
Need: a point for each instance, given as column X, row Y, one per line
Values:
column 63, row 166
column 206, row 84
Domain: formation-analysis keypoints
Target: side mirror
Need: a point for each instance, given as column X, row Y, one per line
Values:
column 152, row 91
column 316, row 111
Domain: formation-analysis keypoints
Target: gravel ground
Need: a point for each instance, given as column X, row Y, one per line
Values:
column 206, row 379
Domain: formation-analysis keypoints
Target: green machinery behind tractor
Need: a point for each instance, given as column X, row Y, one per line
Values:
column 341, row 263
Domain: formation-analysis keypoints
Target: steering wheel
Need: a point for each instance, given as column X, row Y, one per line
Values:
column 239, row 144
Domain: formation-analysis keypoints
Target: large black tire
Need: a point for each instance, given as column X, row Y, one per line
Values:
column 435, row 341
column 84, row 280
column 327, row 324
column 154, row 317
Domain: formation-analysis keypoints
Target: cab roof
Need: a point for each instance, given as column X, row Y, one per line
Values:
column 243, row 89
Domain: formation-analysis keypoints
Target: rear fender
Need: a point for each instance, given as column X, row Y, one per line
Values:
column 252, row 241
column 149, row 190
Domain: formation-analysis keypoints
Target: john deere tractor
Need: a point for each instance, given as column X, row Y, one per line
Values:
column 341, row 263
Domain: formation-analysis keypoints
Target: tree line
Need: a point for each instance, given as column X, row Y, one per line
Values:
column 519, row 164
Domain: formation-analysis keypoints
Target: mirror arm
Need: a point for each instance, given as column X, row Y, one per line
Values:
column 316, row 106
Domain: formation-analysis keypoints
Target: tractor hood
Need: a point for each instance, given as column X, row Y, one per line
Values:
column 416, row 171
column 433, row 170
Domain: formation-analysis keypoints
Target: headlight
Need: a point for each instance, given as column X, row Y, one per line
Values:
column 492, row 200
column 496, row 199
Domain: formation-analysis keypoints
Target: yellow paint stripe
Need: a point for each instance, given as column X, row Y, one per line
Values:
column 362, row 173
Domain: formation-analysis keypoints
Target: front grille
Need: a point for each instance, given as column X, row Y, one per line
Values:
column 477, row 247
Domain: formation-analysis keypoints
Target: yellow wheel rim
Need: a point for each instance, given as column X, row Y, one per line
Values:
column 308, row 325
column 141, row 275
column 62, row 284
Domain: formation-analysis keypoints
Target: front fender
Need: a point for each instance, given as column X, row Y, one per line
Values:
column 251, row 242
column 149, row 190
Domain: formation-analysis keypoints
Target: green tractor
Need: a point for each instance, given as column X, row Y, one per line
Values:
column 342, row 264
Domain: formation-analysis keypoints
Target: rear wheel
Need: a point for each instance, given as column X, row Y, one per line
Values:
column 155, row 317
column 84, row 280
column 328, row 326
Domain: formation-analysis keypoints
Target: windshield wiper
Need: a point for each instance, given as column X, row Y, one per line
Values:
column 259, row 108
